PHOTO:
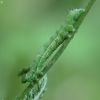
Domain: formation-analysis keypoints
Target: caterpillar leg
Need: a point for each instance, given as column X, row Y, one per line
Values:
column 71, row 28
column 68, row 35
column 32, row 76
column 68, row 30
column 23, row 71
column 38, row 75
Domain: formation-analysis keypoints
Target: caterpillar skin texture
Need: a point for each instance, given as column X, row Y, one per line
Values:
column 58, row 38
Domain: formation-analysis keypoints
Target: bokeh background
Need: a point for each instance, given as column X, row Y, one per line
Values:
column 25, row 25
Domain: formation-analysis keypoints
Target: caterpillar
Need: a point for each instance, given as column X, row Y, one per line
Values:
column 58, row 38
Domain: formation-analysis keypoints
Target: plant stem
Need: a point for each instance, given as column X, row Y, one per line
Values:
column 59, row 52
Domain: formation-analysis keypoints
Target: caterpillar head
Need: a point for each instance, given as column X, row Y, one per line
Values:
column 76, row 13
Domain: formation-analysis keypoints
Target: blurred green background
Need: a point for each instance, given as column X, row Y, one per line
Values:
column 25, row 25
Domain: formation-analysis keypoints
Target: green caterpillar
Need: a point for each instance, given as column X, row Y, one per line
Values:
column 58, row 38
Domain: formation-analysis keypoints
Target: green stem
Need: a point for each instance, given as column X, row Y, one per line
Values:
column 59, row 52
